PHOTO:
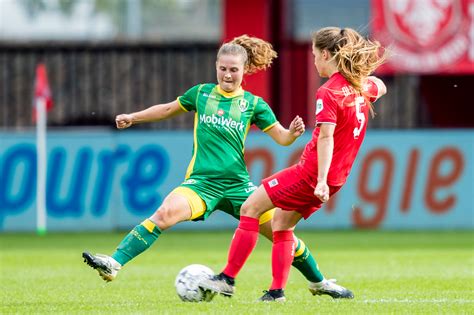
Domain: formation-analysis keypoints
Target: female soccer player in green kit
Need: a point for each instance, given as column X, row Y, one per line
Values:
column 217, row 177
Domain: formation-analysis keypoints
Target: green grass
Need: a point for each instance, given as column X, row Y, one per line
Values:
column 389, row 272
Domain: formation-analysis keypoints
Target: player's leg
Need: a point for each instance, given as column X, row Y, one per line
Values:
column 246, row 234
column 307, row 265
column 290, row 192
column 283, row 249
column 244, row 241
column 176, row 207
column 303, row 259
column 325, row 286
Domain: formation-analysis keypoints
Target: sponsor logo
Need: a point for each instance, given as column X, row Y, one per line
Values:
column 273, row 183
column 207, row 95
column 250, row 189
column 319, row 106
column 220, row 112
column 221, row 122
column 189, row 182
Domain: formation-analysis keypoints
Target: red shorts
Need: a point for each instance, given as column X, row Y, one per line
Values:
column 289, row 191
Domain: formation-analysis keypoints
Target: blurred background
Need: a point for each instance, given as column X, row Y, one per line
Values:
column 105, row 57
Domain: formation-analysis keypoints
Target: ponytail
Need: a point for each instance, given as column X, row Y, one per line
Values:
column 256, row 53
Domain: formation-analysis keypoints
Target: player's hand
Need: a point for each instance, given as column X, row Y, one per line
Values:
column 322, row 191
column 297, row 127
column 124, row 121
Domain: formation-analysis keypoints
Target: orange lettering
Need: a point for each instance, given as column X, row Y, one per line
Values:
column 264, row 155
column 379, row 198
column 409, row 180
column 437, row 180
column 295, row 157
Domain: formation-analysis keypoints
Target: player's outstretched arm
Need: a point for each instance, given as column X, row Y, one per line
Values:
column 284, row 136
column 153, row 113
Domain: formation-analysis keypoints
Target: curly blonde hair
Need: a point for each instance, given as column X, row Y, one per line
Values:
column 256, row 53
column 356, row 57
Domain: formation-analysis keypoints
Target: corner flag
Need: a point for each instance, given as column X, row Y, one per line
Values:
column 41, row 104
column 41, row 90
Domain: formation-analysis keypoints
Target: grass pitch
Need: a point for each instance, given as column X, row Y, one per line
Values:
column 389, row 272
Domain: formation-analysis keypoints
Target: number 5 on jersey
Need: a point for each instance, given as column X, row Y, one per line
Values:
column 359, row 102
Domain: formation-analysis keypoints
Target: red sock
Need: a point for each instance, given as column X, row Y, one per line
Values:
column 244, row 241
column 282, row 256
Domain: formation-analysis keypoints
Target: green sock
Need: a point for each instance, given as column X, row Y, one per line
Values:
column 137, row 241
column 306, row 263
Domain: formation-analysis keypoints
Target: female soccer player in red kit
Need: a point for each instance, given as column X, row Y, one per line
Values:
column 342, row 107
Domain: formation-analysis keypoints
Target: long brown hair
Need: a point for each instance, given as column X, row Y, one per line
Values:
column 356, row 57
column 256, row 53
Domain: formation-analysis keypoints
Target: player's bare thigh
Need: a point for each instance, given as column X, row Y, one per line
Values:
column 257, row 204
column 174, row 209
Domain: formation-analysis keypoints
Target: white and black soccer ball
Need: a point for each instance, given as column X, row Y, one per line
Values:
column 187, row 282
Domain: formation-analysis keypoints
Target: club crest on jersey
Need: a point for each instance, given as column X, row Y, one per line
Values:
column 243, row 105
column 319, row 106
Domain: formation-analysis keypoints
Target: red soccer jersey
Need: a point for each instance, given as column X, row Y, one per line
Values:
column 339, row 104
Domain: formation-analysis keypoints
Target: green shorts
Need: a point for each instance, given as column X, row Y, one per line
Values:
column 206, row 196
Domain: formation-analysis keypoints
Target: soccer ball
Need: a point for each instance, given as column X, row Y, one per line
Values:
column 187, row 282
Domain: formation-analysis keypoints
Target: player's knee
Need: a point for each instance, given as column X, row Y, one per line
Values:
column 164, row 218
column 245, row 209
column 280, row 223
column 276, row 226
column 249, row 209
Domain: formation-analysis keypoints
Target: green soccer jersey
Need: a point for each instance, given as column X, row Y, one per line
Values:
column 221, row 124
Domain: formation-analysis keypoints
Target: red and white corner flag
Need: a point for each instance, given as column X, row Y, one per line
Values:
column 41, row 104
column 42, row 91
